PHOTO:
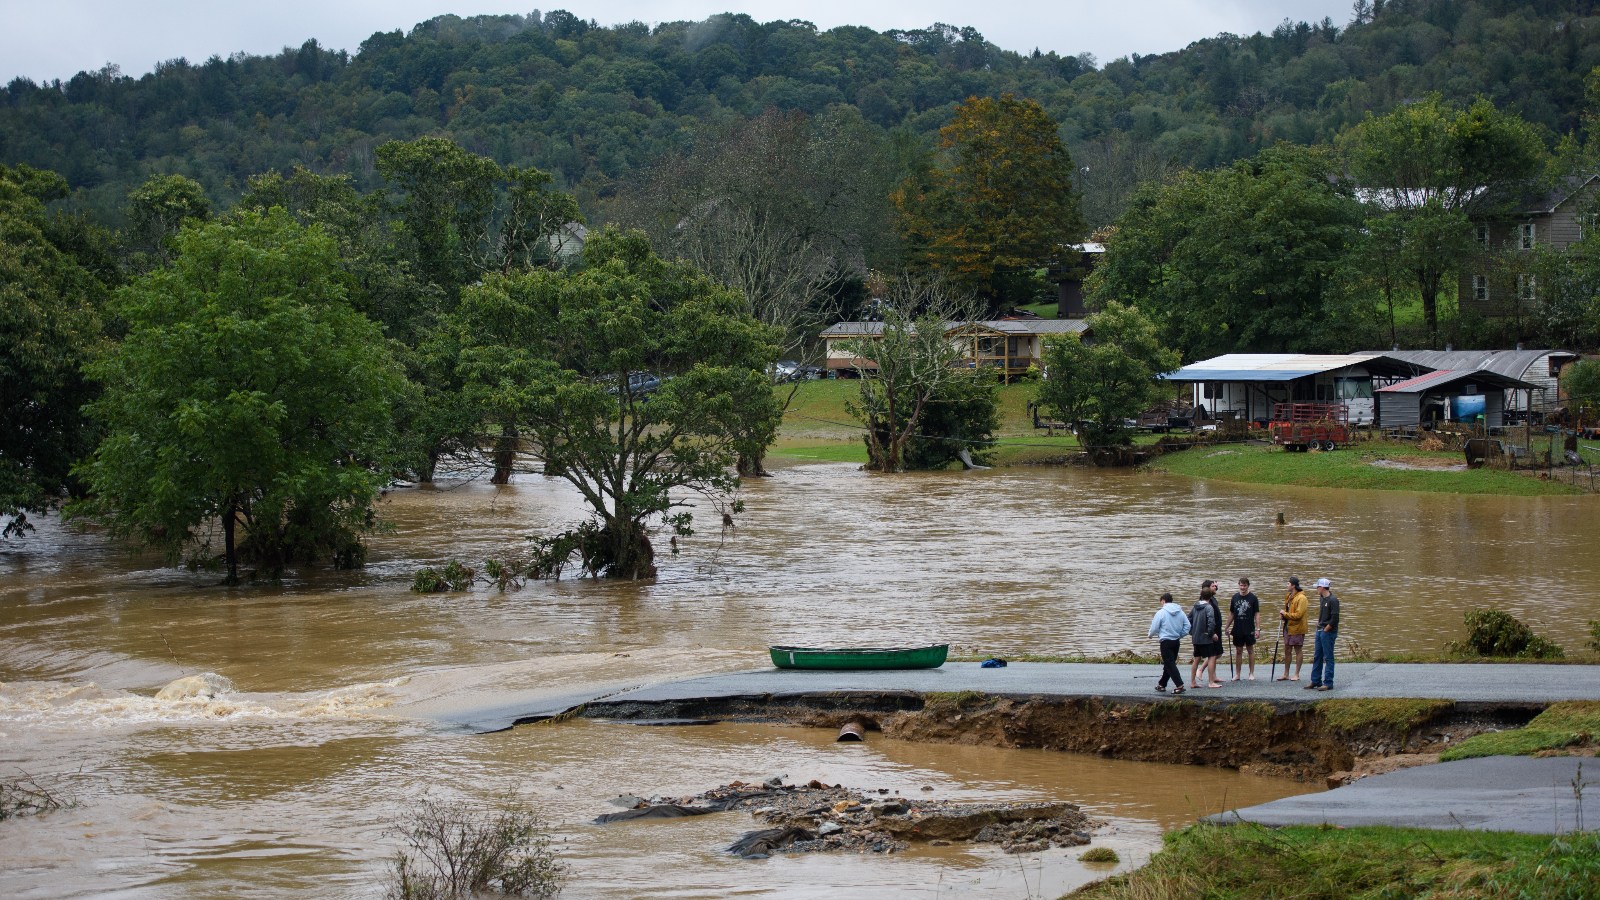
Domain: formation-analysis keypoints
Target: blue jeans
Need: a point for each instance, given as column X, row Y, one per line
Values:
column 1323, row 656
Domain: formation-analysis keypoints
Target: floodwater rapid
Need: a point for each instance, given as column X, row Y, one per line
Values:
column 262, row 741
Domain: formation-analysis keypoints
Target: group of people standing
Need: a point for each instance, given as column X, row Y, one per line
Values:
column 1204, row 625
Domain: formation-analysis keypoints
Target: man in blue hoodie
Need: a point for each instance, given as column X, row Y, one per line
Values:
column 1170, row 625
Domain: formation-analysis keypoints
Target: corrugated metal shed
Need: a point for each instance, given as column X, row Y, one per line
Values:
column 1435, row 381
column 1259, row 367
column 1511, row 363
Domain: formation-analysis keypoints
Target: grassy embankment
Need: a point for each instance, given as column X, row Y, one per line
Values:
column 1562, row 725
column 1249, row 861
column 1369, row 465
column 817, row 426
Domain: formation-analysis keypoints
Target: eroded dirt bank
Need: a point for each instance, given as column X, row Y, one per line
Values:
column 1334, row 740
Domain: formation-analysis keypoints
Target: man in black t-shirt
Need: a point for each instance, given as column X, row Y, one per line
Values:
column 1243, row 610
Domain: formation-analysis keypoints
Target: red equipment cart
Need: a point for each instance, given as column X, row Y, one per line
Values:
column 1303, row 426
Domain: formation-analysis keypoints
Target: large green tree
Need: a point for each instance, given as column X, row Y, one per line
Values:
column 48, row 325
column 997, row 204
column 912, row 364
column 1429, row 167
column 248, row 395
column 1244, row 258
column 462, row 216
column 635, row 379
column 156, row 210
column 1098, row 385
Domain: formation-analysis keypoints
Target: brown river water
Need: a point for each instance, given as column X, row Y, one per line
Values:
column 288, row 780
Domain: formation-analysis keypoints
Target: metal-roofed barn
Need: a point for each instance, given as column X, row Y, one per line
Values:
column 1539, row 369
column 1249, row 385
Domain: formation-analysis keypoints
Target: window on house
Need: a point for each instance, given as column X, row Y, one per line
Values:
column 1525, row 288
column 1526, row 234
column 1586, row 224
column 1482, row 234
column 1480, row 288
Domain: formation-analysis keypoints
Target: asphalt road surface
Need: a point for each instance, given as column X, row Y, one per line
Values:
column 1495, row 793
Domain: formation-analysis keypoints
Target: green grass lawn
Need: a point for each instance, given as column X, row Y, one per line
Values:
column 817, row 425
column 1249, row 861
column 1353, row 466
column 1568, row 724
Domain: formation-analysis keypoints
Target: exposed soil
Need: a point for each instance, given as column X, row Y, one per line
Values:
column 1284, row 739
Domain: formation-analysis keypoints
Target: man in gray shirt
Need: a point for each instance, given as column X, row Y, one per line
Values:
column 1327, row 633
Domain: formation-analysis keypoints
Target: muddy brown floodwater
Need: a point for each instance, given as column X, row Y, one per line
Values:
column 300, row 718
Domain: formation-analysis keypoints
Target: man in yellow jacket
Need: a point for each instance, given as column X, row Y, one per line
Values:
column 1294, row 629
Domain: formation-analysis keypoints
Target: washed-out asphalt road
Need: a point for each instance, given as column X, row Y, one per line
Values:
column 1461, row 682
column 1497, row 793
column 1494, row 793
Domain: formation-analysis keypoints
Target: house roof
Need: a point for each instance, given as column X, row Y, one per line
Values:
column 1510, row 363
column 1283, row 366
column 1443, row 378
column 1563, row 190
column 1001, row 326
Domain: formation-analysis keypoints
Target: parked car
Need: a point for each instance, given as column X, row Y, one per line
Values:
column 789, row 370
column 638, row 383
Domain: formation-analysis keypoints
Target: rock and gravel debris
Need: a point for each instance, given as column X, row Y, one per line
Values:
column 816, row 818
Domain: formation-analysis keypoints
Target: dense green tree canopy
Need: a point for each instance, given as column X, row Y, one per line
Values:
column 590, row 104
column 48, row 324
column 1098, row 385
column 247, row 393
column 635, row 379
column 1428, row 167
column 1244, row 258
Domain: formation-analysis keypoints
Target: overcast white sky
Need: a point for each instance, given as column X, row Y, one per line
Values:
column 58, row 38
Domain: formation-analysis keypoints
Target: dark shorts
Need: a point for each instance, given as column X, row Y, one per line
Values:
column 1294, row 640
column 1205, row 650
column 1244, row 640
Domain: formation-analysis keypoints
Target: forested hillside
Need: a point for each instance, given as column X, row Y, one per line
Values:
column 590, row 104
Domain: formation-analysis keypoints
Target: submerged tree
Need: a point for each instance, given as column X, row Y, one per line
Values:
column 462, row 217
column 634, row 379
column 48, row 325
column 1097, row 386
column 912, row 363
column 248, row 395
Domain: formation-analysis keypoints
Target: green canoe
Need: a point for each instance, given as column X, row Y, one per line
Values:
column 931, row 657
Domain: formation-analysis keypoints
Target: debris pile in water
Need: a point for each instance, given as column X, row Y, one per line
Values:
column 814, row 817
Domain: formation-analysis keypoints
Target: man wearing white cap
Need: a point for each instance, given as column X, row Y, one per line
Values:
column 1327, row 633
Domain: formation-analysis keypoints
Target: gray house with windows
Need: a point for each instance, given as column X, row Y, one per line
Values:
column 1502, row 282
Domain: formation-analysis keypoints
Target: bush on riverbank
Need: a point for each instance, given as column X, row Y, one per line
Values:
column 1249, row 861
column 1569, row 724
column 1492, row 632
